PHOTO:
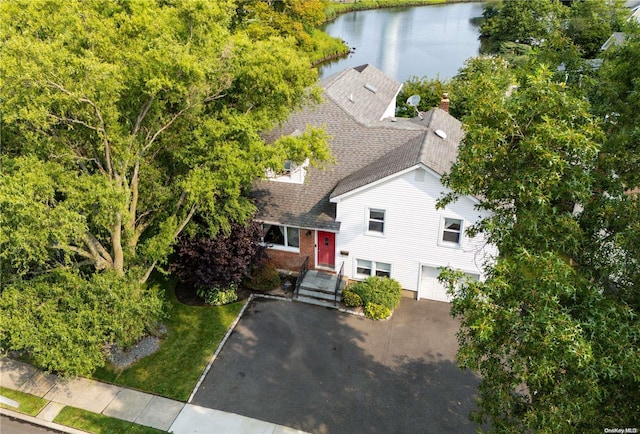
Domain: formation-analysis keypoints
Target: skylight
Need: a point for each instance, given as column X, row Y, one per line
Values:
column 371, row 88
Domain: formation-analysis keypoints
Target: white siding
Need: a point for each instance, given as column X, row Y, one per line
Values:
column 412, row 229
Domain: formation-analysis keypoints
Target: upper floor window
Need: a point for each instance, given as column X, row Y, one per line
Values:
column 376, row 221
column 451, row 231
column 283, row 236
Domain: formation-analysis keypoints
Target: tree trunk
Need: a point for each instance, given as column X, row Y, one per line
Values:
column 116, row 241
column 132, row 233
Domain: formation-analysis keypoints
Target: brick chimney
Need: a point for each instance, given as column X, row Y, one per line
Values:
column 444, row 103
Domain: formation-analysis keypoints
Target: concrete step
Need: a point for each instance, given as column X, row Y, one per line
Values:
column 322, row 295
column 327, row 290
column 319, row 281
column 315, row 301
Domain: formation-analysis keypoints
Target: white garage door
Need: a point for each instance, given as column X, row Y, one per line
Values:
column 431, row 289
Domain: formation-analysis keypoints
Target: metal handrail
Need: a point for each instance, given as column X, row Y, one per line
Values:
column 301, row 274
column 338, row 282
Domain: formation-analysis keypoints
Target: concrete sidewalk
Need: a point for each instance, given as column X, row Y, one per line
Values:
column 126, row 404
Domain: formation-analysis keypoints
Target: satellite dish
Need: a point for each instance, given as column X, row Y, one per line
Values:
column 413, row 100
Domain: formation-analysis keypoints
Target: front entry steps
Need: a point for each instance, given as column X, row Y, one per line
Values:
column 319, row 288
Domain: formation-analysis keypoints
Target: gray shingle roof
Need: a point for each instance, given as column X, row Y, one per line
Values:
column 365, row 149
column 364, row 92
column 435, row 152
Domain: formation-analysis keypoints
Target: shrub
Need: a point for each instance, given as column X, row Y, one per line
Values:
column 264, row 278
column 205, row 262
column 218, row 296
column 224, row 296
column 379, row 290
column 376, row 312
column 351, row 299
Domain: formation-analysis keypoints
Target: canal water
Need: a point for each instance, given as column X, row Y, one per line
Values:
column 432, row 41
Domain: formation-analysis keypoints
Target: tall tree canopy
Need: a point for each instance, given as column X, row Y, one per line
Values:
column 553, row 330
column 514, row 25
column 121, row 120
column 523, row 22
column 287, row 18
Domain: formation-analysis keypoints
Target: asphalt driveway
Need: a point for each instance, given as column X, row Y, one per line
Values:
column 323, row 371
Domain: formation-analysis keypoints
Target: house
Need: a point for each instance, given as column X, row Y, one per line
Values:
column 373, row 212
column 619, row 37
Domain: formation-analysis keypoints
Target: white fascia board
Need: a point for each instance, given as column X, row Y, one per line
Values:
column 393, row 104
column 272, row 222
column 337, row 199
column 431, row 172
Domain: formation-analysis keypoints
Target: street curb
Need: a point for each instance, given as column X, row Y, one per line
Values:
column 41, row 422
column 215, row 355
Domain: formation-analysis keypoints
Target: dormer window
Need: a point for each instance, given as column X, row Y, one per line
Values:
column 289, row 166
column 290, row 172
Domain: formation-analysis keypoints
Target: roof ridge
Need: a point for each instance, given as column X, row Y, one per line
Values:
column 388, row 125
column 394, row 161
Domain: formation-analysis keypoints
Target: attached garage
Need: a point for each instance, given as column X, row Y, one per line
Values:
column 430, row 288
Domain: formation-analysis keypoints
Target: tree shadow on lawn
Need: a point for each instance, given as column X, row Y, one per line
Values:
column 323, row 371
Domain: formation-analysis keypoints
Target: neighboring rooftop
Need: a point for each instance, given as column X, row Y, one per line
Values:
column 619, row 37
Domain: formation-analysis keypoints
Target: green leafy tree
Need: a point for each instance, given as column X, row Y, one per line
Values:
column 286, row 18
column 555, row 342
column 616, row 100
column 65, row 320
column 611, row 218
column 555, row 355
column 528, row 156
column 151, row 112
column 430, row 91
column 483, row 80
column 522, row 22
column 591, row 23
column 512, row 27
column 121, row 121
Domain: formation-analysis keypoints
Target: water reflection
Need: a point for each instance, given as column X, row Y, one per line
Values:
column 404, row 42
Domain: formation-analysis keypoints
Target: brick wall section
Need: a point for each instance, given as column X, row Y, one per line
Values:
column 293, row 261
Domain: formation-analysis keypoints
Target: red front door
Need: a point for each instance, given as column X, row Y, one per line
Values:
column 326, row 248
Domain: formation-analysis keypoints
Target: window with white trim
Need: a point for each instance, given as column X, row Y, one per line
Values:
column 283, row 236
column 451, row 231
column 365, row 268
column 375, row 221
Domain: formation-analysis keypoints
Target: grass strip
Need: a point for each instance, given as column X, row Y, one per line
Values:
column 193, row 334
column 29, row 404
column 100, row 424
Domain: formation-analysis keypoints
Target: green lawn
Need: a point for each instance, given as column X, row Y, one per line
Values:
column 194, row 333
column 99, row 424
column 29, row 404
